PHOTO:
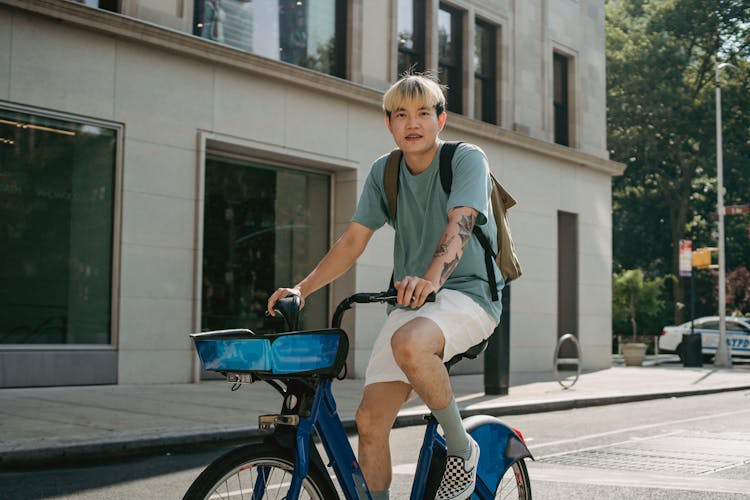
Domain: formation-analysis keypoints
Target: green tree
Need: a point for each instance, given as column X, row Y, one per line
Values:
column 661, row 56
column 636, row 300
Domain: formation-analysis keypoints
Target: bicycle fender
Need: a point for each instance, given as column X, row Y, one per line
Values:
column 500, row 447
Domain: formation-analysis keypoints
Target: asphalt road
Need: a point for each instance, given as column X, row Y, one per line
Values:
column 683, row 448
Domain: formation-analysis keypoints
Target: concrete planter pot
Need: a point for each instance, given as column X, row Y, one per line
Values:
column 633, row 353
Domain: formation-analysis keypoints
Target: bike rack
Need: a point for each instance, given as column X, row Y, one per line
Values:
column 567, row 361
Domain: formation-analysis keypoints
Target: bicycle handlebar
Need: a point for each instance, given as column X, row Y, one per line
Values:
column 388, row 296
column 289, row 306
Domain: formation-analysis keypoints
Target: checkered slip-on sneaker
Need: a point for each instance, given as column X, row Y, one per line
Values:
column 460, row 476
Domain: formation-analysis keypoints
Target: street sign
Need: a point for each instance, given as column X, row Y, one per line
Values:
column 737, row 210
column 686, row 254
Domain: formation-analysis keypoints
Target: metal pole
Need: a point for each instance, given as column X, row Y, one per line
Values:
column 497, row 354
column 723, row 358
column 692, row 302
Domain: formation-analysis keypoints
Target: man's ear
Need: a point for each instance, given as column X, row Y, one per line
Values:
column 387, row 122
column 441, row 119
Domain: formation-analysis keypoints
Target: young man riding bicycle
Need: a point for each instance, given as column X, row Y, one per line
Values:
column 434, row 251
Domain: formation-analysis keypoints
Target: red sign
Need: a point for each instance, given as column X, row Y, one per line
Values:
column 737, row 210
column 686, row 257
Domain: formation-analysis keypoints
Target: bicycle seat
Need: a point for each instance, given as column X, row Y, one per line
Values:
column 471, row 353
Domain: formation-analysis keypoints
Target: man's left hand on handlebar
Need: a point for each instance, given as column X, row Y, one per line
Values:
column 279, row 294
column 413, row 291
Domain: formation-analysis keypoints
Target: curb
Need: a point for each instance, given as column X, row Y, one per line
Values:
column 82, row 453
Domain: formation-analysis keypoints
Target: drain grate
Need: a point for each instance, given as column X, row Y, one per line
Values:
column 680, row 452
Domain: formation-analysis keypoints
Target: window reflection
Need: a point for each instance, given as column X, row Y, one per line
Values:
column 56, row 208
column 410, row 33
column 308, row 33
column 484, row 72
column 449, row 55
column 264, row 227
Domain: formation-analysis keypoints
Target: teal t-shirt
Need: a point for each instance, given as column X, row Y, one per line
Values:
column 422, row 215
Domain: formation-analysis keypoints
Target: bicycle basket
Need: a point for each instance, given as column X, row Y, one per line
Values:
column 315, row 351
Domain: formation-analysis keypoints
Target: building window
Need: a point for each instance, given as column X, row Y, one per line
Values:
column 111, row 5
column 411, row 36
column 485, row 71
column 264, row 227
column 449, row 56
column 561, row 101
column 308, row 33
column 57, row 181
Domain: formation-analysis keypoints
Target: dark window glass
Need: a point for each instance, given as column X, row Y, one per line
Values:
column 264, row 227
column 111, row 5
column 308, row 33
column 57, row 211
column 449, row 56
column 736, row 326
column 485, row 80
column 561, row 104
column 411, row 37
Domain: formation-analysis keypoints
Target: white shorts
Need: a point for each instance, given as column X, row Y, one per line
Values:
column 464, row 324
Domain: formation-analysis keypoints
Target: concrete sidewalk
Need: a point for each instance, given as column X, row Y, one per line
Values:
column 53, row 426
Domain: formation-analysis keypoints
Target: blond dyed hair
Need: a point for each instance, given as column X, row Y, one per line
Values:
column 421, row 89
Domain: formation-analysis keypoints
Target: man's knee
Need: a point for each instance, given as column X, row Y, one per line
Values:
column 370, row 422
column 416, row 341
column 406, row 349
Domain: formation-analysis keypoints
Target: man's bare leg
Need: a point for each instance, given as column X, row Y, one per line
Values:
column 375, row 416
column 418, row 349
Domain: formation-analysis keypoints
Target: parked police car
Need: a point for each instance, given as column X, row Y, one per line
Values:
column 737, row 335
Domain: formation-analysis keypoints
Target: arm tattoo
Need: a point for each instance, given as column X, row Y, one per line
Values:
column 465, row 226
column 448, row 268
column 442, row 247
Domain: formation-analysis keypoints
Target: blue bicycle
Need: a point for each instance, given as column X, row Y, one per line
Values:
column 301, row 366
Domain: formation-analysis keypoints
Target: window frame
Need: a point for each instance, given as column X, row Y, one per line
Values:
column 561, row 101
column 416, row 55
column 489, row 109
column 455, row 93
column 115, row 237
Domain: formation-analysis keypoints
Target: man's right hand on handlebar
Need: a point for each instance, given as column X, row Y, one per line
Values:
column 279, row 294
column 413, row 291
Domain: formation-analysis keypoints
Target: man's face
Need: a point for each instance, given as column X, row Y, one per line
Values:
column 415, row 127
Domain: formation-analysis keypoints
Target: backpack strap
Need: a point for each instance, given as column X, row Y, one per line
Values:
column 390, row 181
column 446, row 179
column 446, row 165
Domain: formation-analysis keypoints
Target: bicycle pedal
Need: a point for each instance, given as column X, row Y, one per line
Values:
column 266, row 421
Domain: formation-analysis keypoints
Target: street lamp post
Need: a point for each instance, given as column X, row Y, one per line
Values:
column 723, row 358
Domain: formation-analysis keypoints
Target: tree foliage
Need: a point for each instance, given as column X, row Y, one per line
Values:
column 661, row 57
column 636, row 302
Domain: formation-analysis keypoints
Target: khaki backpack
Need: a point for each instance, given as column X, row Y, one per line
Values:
column 501, row 200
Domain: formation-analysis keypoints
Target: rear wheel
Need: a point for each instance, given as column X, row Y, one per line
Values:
column 257, row 472
column 515, row 483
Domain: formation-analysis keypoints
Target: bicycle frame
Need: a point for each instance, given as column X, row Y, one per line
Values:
column 309, row 406
column 324, row 419
column 497, row 441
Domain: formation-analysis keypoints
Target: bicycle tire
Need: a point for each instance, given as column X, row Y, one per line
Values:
column 234, row 475
column 515, row 483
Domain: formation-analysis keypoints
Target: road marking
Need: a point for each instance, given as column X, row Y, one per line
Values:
column 628, row 479
column 636, row 428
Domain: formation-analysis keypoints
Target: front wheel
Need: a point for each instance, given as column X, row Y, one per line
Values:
column 257, row 472
column 515, row 483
